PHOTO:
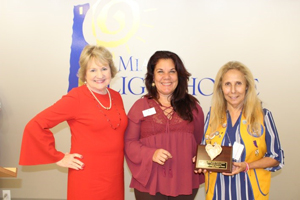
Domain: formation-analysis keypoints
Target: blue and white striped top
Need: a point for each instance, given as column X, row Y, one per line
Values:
column 239, row 186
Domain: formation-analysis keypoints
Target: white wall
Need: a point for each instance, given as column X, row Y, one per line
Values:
column 35, row 41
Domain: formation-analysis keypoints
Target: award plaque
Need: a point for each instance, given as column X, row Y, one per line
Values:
column 221, row 163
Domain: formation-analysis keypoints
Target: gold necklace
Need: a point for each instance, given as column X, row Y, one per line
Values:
column 107, row 108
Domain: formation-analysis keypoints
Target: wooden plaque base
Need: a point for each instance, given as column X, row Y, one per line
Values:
column 222, row 163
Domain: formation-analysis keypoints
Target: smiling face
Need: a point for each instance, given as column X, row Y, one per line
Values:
column 165, row 77
column 98, row 76
column 234, row 88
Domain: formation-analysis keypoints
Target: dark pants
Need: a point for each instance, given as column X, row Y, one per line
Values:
column 146, row 196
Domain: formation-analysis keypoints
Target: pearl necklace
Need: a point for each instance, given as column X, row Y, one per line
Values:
column 106, row 108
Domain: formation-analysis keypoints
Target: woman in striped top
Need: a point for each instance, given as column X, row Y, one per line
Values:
column 237, row 116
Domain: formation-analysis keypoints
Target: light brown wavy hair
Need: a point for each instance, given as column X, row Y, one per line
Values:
column 98, row 53
column 252, row 107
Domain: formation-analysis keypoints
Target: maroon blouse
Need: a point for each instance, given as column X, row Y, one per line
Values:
column 146, row 134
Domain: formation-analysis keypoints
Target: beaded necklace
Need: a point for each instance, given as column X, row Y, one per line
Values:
column 107, row 108
column 109, row 121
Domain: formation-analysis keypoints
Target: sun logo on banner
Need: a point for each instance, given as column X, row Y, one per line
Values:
column 120, row 34
column 106, row 23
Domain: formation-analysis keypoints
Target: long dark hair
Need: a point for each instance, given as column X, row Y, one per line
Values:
column 182, row 102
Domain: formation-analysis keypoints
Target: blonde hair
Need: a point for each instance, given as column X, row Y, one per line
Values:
column 252, row 107
column 98, row 53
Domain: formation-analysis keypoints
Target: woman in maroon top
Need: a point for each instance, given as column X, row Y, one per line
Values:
column 163, row 131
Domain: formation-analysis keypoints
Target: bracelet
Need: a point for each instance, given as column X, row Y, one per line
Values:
column 247, row 167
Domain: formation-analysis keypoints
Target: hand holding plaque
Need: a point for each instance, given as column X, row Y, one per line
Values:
column 214, row 158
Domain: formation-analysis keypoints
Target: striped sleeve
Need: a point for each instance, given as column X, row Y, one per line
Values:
column 274, row 149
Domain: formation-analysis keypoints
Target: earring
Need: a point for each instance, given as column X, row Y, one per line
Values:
column 153, row 84
column 84, row 82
